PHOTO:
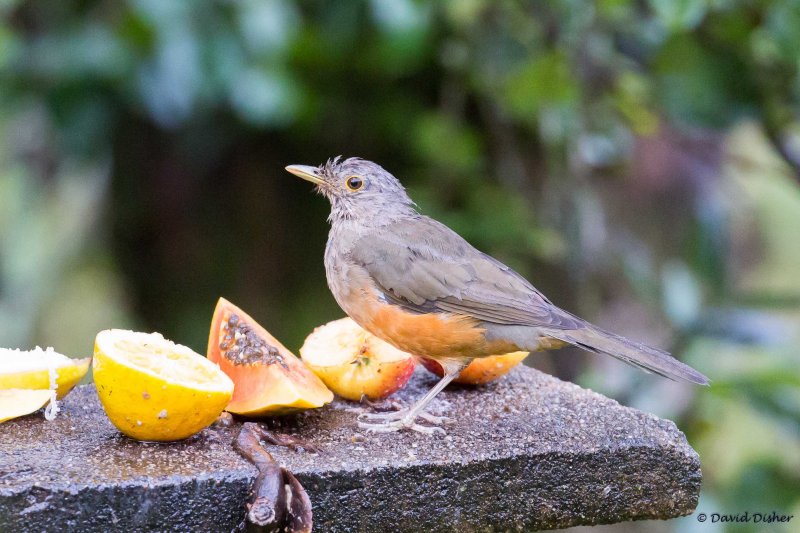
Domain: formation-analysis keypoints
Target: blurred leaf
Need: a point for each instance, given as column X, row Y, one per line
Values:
column 464, row 13
column 267, row 26
column 737, row 439
column 542, row 82
column 773, row 198
column 678, row 15
column 732, row 366
column 263, row 97
column 452, row 147
column 683, row 296
column 9, row 47
column 170, row 82
column 400, row 16
column 88, row 299
column 782, row 25
column 632, row 97
column 699, row 85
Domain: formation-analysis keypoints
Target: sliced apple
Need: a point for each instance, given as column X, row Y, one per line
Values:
column 353, row 362
column 268, row 379
column 482, row 370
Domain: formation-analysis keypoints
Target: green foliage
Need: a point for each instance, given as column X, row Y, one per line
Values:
column 545, row 81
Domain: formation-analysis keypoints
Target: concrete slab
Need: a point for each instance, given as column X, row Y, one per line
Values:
column 529, row 452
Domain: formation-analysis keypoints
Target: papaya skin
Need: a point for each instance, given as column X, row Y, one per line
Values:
column 275, row 383
column 481, row 371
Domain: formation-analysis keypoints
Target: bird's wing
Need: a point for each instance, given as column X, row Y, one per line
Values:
column 424, row 266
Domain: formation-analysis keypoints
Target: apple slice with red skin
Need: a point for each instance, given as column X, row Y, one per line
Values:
column 480, row 371
column 353, row 362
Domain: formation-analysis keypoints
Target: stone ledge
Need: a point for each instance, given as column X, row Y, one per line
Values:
column 529, row 452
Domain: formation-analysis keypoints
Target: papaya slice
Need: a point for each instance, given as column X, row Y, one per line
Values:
column 268, row 379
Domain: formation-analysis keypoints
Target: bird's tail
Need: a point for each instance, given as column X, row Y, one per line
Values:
column 640, row 355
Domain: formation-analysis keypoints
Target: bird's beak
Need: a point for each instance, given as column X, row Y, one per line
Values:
column 306, row 172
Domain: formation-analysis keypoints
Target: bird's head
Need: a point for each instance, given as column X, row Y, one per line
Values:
column 356, row 187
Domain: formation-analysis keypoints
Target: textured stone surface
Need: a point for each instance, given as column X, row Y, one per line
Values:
column 529, row 452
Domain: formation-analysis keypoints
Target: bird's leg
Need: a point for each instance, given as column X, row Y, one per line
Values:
column 406, row 418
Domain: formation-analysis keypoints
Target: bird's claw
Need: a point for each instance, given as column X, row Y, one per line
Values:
column 389, row 416
column 382, row 406
column 397, row 425
column 396, row 420
column 433, row 419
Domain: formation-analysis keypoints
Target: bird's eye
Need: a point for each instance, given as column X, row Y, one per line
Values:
column 354, row 183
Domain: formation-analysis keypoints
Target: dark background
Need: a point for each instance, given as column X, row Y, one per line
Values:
column 639, row 161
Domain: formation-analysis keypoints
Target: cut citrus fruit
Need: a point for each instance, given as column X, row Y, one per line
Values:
column 154, row 389
column 482, row 370
column 269, row 379
column 354, row 363
column 21, row 402
column 31, row 369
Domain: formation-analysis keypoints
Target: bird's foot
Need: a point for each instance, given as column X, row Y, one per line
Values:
column 397, row 420
column 389, row 416
column 397, row 425
column 382, row 406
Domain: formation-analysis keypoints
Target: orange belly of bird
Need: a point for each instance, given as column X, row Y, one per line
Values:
column 437, row 336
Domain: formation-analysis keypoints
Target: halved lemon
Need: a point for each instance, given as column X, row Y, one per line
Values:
column 154, row 389
column 30, row 369
column 21, row 402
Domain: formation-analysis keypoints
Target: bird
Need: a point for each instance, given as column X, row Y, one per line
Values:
column 418, row 285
